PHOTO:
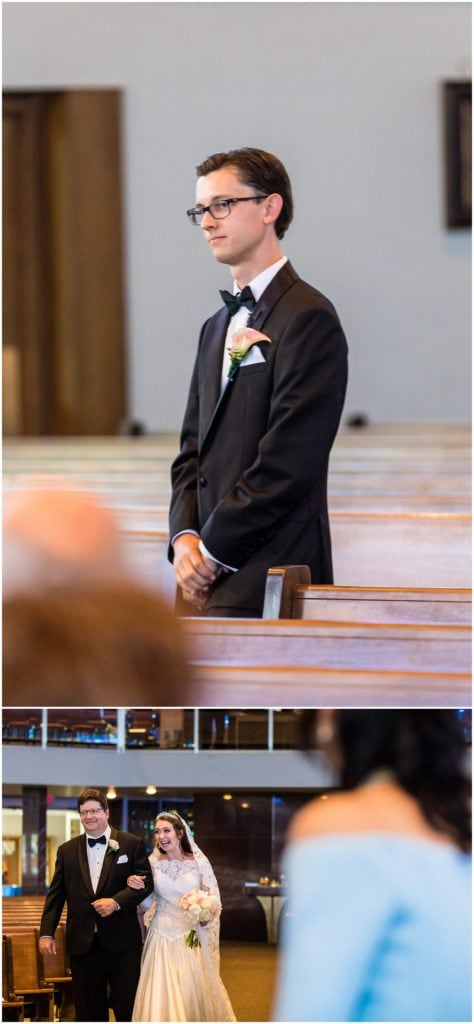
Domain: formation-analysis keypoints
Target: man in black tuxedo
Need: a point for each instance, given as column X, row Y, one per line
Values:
column 249, row 486
column 102, row 931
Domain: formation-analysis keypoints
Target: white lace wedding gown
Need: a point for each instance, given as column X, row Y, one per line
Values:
column 178, row 983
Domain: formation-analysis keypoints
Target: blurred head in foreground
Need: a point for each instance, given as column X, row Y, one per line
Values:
column 78, row 628
column 103, row 644
column 53, row 536
column 423, row 749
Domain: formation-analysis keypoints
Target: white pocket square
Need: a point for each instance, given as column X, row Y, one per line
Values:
column 254, row 355
column 123, row 859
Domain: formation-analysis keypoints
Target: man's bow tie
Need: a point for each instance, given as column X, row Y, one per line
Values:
column 234, row 302
column 92, row 842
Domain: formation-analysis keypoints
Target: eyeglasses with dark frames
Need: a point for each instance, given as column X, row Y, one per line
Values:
column 219, row 208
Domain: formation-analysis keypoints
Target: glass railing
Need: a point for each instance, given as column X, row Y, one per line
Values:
column 163, row 728
column 153, row 728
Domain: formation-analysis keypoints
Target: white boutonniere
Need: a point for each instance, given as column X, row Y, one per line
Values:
column 113, row 846
column 241, row 343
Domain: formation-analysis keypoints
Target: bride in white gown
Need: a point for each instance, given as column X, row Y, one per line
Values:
column 178, row 982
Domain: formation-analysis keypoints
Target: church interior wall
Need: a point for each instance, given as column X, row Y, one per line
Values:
column 350, row 97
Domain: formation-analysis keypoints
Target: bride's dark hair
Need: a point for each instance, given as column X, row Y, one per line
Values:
column 424, row 748
column 178, row 825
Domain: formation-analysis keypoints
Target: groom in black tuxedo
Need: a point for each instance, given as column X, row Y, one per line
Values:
column 102, row 931
column 249, row 486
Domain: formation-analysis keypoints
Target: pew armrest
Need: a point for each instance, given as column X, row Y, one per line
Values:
column 279, row 587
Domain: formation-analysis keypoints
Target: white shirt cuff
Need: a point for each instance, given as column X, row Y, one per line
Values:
column 207, row 554
column 180, row 534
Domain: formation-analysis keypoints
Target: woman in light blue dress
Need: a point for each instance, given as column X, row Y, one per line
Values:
column 379, row 922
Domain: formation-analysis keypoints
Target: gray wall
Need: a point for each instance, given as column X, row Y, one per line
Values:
column 285, row 769
column 349, row 96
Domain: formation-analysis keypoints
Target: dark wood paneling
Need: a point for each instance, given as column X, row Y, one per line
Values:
column 27, row 302
column 63, row 258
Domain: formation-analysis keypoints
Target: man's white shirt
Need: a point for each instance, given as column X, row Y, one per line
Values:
column 240, row 319
column 96, row 856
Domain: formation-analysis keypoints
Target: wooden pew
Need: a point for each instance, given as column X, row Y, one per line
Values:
column 369, row 550
column 303, row 686
column 329, row 645
column 398, row 498
column 401, row 549
column 57, row 972
column 13, row 1006
column 27, row 977
column 22, row 913
column 289, row 594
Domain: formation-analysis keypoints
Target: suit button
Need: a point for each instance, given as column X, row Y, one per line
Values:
column 202, row 481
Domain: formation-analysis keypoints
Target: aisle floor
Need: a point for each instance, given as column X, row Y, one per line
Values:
column 248, row 971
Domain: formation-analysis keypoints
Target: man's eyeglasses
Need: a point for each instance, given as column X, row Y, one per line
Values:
column 93, row 812
column 218, row 209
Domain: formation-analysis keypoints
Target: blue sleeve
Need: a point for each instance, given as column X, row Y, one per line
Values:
column 340, row 905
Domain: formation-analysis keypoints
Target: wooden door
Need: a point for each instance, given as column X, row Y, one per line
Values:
column 63, row 319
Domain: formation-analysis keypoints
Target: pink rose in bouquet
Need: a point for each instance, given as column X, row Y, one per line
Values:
column 201, row 907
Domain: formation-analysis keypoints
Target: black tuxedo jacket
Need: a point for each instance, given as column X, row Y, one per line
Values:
column 251, row 475
column 71, row 883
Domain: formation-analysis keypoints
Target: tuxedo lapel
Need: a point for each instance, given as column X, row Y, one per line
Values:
column 272, row 294
column 211, row 373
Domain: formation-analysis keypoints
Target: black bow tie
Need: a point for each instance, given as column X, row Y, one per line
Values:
column 234, row 302
column 92, row 842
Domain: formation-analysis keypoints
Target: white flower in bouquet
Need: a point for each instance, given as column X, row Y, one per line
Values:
column 201, row 907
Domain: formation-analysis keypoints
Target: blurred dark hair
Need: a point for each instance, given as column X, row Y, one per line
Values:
column 425, row 749
column 92, row 794
column 177, row 823
column 261, row 171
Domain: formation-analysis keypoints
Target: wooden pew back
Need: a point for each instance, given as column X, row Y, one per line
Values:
column 258, row 686
column 290, row 594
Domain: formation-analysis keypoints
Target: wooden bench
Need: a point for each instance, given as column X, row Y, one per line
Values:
column 329, row 645
column 401, row 549
column 13, row 1006
column 25, row 971
column 289, row 594
column 22, row 913
column 57, row 972
column 369, row 550
column 303, row 686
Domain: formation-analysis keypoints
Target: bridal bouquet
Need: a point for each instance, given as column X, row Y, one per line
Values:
column 201, row 906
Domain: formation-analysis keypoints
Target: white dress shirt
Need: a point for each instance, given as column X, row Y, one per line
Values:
column 240, row 319
column 96, row 855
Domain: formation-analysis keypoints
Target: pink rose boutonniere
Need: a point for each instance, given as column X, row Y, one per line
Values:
column 241, row 343
column 113, row 846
